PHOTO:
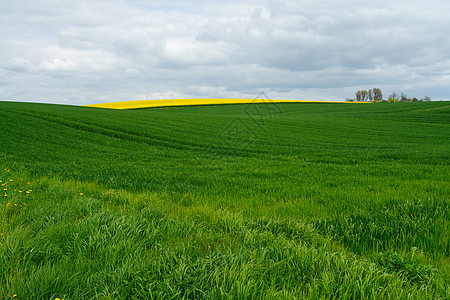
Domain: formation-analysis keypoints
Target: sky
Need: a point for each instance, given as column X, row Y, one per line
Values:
column 85, row 52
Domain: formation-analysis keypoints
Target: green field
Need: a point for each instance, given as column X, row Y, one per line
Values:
column 262, row 201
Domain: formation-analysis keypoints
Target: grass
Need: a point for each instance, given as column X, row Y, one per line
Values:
column 283, row 200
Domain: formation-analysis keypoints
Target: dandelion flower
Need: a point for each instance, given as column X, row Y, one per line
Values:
column 81, row 194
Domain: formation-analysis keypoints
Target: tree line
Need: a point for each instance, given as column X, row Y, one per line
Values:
column 376, row 95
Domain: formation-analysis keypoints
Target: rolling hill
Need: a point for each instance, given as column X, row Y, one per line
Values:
column 269, row 200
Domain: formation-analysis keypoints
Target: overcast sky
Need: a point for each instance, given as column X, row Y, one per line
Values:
column 82, row 52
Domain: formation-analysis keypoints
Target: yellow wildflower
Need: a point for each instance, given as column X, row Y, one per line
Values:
column 184, row 102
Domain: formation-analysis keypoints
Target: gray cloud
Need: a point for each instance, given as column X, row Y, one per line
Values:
column 81, row 52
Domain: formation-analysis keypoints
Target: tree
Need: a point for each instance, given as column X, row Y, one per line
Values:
column 377, row 94
column 393, row 97
column 358, row 96
column 403, row 98
column 363, row 95
column 426, row 98
column 370, row 95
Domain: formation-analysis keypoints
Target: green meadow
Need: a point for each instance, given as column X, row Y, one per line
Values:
column 259, row 201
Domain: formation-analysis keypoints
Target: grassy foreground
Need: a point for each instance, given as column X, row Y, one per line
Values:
column 267, row 201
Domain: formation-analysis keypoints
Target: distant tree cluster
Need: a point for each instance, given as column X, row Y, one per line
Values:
column 403, row 98
column 376, row 95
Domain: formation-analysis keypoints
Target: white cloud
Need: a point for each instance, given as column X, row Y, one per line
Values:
column 17, row 64
column 115, row 50
column 188, row 51
column 58, row 65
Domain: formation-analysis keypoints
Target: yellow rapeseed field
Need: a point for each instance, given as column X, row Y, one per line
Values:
column 184, row 102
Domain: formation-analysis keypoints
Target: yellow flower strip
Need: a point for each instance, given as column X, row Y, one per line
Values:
column 184, row 102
